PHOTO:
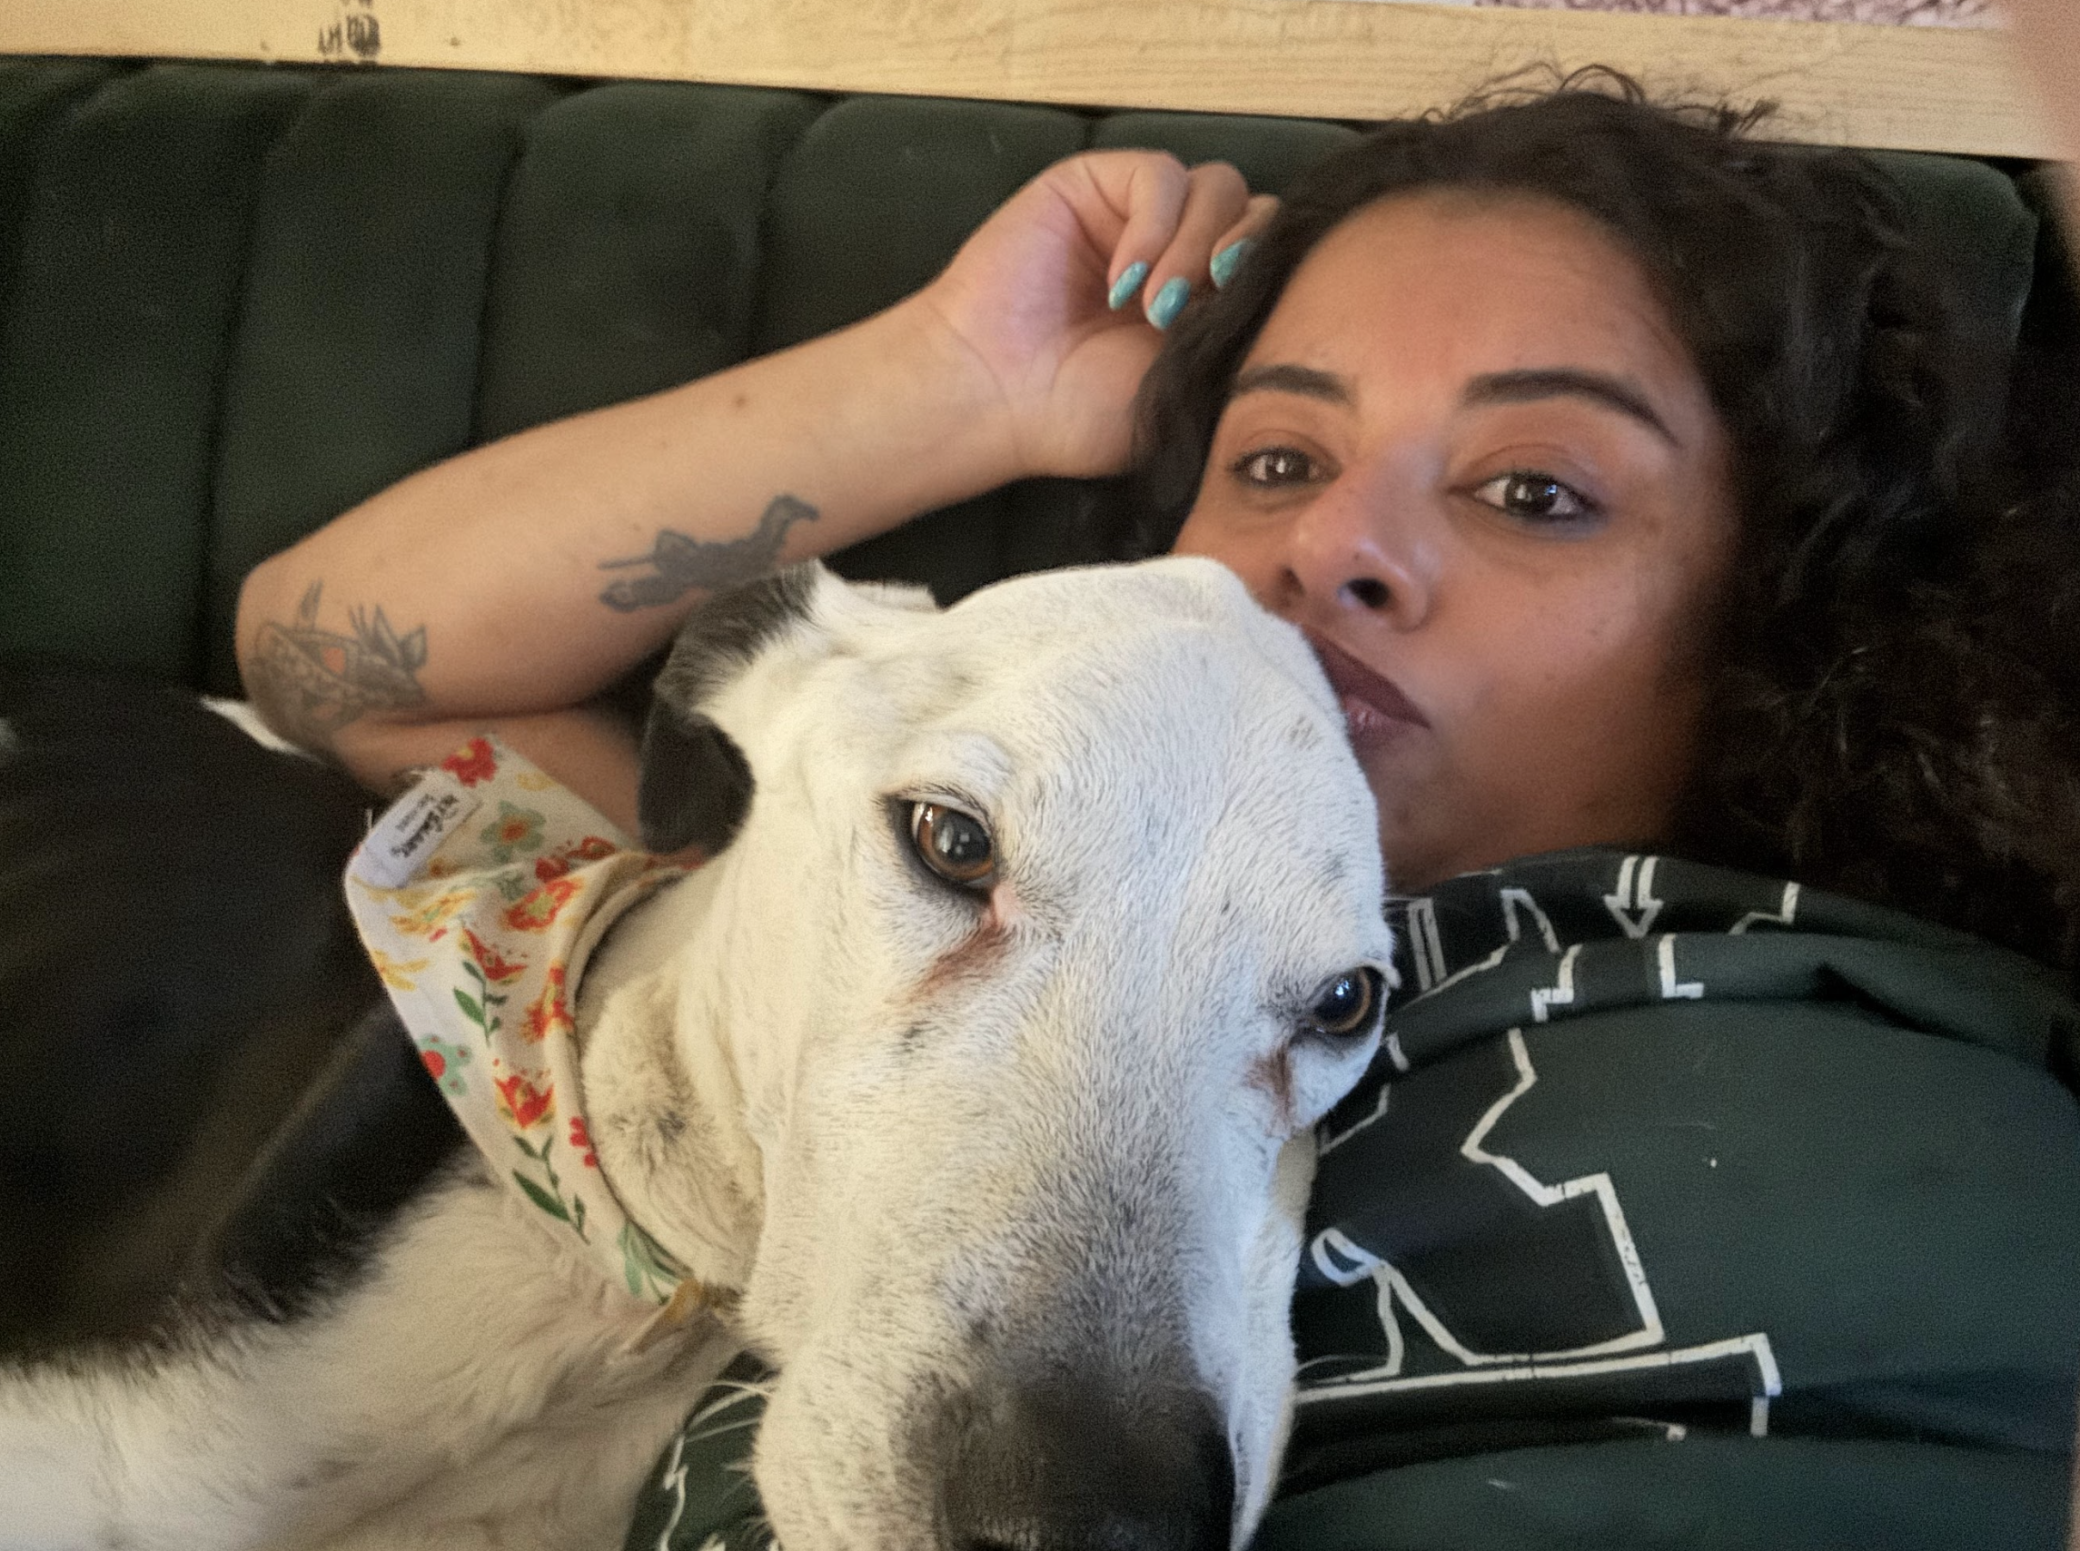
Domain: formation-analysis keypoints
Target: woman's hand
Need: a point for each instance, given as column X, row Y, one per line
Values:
column 1045, row 299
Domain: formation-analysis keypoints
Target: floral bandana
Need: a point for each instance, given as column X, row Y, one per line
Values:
column 480, row 895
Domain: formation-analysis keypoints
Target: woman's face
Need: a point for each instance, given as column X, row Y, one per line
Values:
column 1470, row 458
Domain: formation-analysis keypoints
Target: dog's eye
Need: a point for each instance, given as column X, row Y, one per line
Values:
column 953, row 844
column 1347, row 1004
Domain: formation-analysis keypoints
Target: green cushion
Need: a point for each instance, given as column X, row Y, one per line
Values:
column 112, row 359
column 34, row 95
column 1974, row 220
column 629, row 251
column 879, row 192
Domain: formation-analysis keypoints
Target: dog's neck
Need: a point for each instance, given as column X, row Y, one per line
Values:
column 662, row 1088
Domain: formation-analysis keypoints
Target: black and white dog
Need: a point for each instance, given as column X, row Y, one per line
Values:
column 976, row 1070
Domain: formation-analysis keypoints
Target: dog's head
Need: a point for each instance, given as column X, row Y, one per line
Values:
column 1038, row 934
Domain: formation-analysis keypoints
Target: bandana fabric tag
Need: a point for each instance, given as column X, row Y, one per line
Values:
column 479, row 896
column 414, row 828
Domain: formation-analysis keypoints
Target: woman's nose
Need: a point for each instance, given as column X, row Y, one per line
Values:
column 1354, row 549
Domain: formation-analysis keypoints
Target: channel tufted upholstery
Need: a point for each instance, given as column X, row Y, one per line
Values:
column 235, row 300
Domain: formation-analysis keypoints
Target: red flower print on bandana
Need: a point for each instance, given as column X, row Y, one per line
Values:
column 581, row 1140
column 471, row 763
column 536, row 911
column 564, row 858
column 549, row 1014
column 522, row 1102
column 496, row 969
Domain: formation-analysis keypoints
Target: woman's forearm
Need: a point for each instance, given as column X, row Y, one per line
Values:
column 525, row 576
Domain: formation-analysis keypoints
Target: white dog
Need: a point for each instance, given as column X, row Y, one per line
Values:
column 977, row 1068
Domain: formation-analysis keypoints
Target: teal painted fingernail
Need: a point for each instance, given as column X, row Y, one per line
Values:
column 1169, row 302
column 1126, row 285
column 1223, row 266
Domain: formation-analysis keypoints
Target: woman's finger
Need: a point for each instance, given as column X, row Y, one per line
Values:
column 1233, row 245
column 1152, row 187
column 1214, row 200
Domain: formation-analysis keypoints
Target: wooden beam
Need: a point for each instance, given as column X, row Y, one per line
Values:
column 1923, row 88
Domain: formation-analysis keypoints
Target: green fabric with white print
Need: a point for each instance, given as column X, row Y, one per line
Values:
column 1686, row 1209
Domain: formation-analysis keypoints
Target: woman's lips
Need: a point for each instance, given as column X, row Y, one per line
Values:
column 1374, row 709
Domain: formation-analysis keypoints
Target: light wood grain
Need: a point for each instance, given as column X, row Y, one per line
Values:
column 1913, row 87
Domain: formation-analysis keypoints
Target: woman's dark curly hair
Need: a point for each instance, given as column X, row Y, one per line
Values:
column 1875, row 723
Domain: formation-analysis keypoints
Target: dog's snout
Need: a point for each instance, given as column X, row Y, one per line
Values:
column 1072, row 1467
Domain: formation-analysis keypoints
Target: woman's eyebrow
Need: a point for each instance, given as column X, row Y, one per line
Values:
column 1556, row 381
column 1304, row 380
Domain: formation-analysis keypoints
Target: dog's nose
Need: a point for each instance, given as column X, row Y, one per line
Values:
column 1071, row 1467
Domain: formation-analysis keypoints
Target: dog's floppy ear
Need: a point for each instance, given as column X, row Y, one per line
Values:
column 696, row 784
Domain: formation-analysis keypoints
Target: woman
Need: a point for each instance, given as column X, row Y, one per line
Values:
column 1617, row 469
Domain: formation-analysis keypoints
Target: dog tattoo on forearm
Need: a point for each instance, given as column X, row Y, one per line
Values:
column 681, row 563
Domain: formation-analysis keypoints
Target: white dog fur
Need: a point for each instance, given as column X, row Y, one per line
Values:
column 949, row 1148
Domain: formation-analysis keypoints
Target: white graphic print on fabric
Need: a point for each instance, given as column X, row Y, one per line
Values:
column 1426, row 1217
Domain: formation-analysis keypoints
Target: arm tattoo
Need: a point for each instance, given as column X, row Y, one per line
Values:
column 311, row 682
column 680, row 563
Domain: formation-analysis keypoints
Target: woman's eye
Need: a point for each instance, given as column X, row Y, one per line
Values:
column 955, row 845
column 1530, row 496
column 1274, row 466
column 1346, row 1005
